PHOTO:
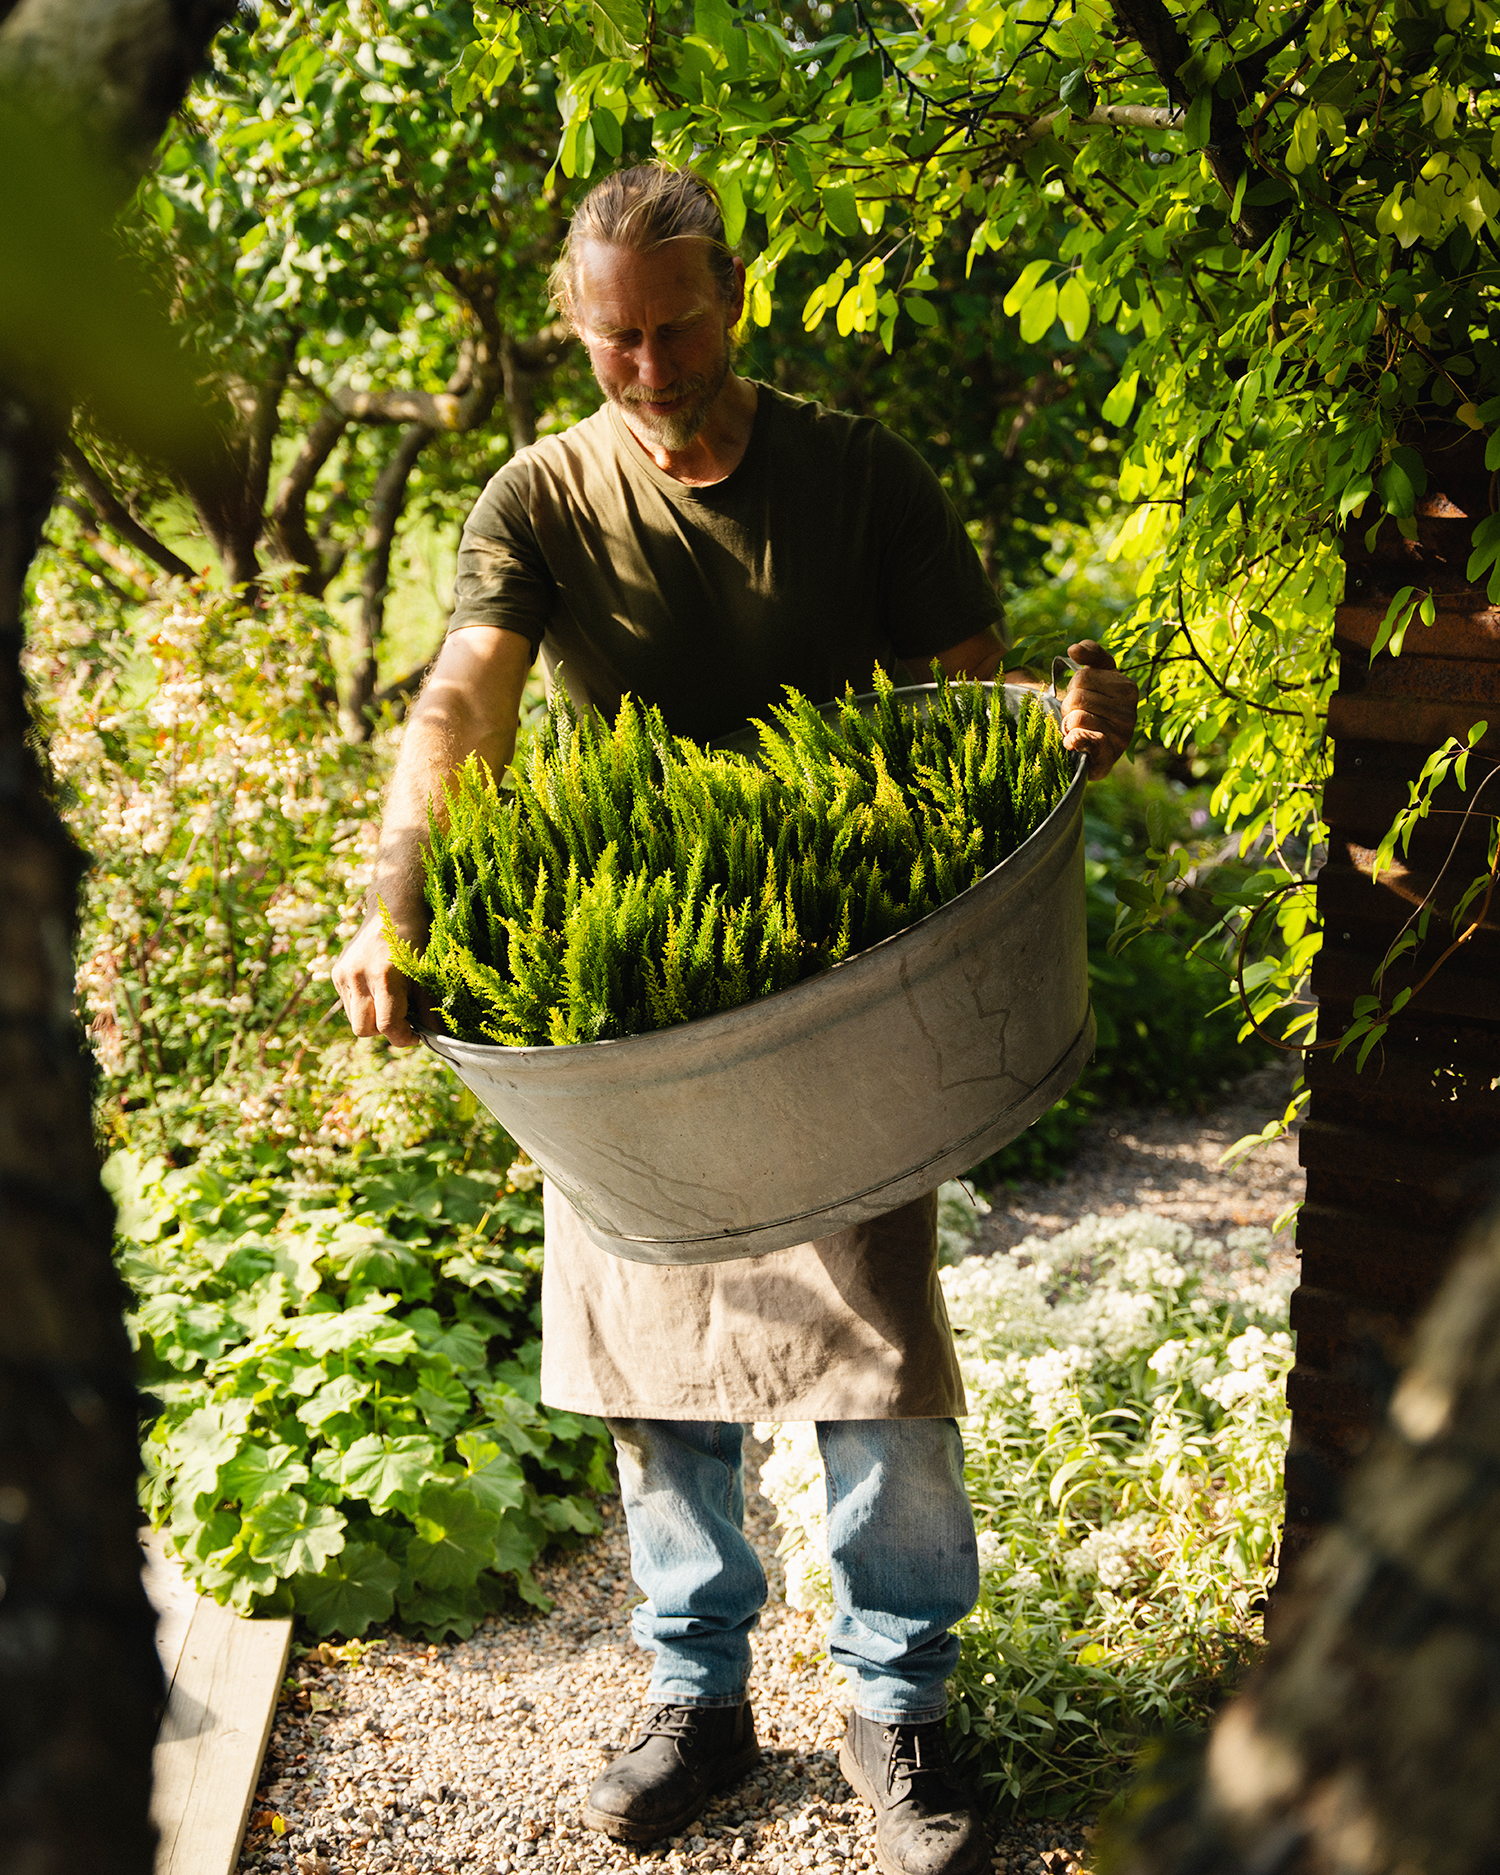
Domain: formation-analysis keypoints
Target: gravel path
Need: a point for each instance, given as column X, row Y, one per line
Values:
column 400, row 1759
column 1167, row 1163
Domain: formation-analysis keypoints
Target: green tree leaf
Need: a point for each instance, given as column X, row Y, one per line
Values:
column 1032, row 274
column 1117, row 407
column 839, row 206
column 1073, row 307
column 1039, row 312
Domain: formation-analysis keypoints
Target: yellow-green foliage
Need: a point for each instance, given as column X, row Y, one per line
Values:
column 634, row 880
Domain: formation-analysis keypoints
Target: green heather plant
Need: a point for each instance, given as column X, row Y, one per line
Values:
column 634, row 880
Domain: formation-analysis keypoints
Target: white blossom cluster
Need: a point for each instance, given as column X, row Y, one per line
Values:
column 1110, row 1555
column 1124, row 1438
column 232, row 830
column 792, row 1478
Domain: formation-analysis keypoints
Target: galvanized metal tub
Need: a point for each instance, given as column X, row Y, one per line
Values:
column 828, row 1103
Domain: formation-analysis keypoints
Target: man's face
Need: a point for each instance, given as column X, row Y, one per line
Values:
column 657, row 331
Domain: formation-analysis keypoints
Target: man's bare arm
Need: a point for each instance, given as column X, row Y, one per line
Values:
column 1099, row 705
column 469, row 705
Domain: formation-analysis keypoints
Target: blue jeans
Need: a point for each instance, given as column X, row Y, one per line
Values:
column 901, row 1547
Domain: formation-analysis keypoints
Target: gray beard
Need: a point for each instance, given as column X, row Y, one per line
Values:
column 681, row 428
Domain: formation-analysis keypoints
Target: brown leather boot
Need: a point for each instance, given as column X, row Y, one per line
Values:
column 683, row 1755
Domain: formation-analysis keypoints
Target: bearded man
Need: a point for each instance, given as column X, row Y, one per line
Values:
column 700, row 542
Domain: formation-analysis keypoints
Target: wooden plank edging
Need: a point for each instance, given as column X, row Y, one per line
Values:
column 223, row 1673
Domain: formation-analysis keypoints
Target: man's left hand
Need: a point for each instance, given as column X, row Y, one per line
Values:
column 1099, row 708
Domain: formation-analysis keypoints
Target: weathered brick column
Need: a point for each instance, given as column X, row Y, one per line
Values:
column 1393, row 1154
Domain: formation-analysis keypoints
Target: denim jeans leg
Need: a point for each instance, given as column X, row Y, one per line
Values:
column 682, row 1483
column 903, row 1558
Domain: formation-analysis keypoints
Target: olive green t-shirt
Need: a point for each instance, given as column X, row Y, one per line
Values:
column 831, row 548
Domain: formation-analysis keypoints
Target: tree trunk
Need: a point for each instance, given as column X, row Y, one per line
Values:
column 114, row 514
column 79, row 1681
column 385, row 511
column 289, row 526
column 232, row 507
column 520, row 397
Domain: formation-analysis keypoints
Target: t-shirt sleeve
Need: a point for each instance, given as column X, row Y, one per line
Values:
column 937, row 591
column 503, row 577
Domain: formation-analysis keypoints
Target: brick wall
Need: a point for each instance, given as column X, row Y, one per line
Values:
column 1395, row 1154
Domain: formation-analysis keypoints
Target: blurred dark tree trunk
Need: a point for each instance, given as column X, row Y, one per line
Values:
column 84, row 97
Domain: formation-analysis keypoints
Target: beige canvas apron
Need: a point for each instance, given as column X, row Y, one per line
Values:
column 848, row 1327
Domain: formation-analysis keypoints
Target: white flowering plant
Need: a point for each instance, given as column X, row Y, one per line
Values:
column 1125, row 1438
column 197, row 755
column 334, row 1257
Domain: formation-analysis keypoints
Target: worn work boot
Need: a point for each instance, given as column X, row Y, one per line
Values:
column 923, row 1823
column 683, row 1755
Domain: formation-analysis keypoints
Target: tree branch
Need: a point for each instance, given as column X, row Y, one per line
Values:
column 264, row 421
column 123, row 563
column 434, row 410
column 396, row 695
column 113, row 513
column 105, row 552
column 385, row 511
column 232, row 505
column 544, row 350
column 1120, row 116
column 1150, row 24
column 1252, row 71
column 289, row 526
column 523, row 361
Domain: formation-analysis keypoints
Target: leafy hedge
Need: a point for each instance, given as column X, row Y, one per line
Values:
column 335, row 1276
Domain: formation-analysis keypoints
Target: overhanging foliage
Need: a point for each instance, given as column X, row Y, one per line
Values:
column 1290, row 210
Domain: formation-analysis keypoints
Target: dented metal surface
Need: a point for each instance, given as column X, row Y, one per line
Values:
column 833, row 1101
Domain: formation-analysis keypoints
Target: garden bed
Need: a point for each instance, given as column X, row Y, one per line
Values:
column 473, row 1756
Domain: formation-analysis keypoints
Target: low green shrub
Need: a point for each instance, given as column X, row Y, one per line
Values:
column 346, row 1378
column 634, row 881
column 198, row 760
column 1124, row 1449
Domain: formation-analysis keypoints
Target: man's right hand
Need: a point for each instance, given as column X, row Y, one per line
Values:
column 468, row 705
column 373, row 991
